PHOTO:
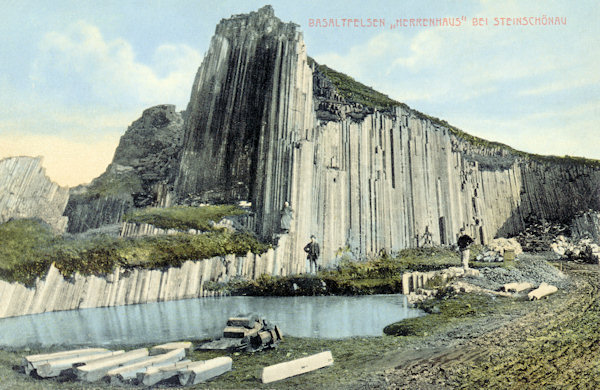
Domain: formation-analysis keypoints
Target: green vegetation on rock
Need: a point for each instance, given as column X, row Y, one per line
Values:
column 356, row 92
column 28, row 247
column 183, row 217
column 445, row 309
column 113, row 184
column 382, row 275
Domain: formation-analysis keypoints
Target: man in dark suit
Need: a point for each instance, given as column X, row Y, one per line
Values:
column 312, row 254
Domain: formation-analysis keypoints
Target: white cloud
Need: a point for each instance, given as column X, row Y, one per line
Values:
column 502, row 83
column 567, row 131
column 80, row 65
column 86, row 90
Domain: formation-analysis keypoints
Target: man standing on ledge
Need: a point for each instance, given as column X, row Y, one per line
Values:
column 464, row 241
column 312, row 254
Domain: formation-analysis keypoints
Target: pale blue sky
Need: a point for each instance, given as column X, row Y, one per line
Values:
column 75, row 74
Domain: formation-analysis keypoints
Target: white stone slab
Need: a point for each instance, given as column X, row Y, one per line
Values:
column 543, row 290
column 199, row 372
column 97, row 369
column 53, row 368
column 129, row 372
column 517, row 287
column 154, row 375
column 62, row 354
column 296, row 367
column 163, row 348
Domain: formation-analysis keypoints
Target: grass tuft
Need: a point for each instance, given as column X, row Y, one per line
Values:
column 183, row 217
column 28, row 247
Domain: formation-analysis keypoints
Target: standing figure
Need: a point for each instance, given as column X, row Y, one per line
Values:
column 286, row 218
column 464, row 241
column 312, row 254
column 427, row 237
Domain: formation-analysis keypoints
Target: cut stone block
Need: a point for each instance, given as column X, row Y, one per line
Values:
column 97, row 369
column 56, row 367
column 543, row 290
column 296, row 367
column 122, row 375
column 517, row 287
column 163, row 348
column 32, row 361
column 246, row 322
column 153, row 375
column 241, row 332
column 199, row 372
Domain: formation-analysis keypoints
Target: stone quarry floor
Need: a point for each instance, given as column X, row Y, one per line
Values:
column 552, row 343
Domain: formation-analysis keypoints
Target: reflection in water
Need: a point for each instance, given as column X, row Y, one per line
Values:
column 323, row 317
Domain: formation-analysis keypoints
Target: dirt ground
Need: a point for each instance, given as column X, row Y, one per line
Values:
column 553, row 343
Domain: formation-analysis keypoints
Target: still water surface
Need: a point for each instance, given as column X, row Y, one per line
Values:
column 323, row 317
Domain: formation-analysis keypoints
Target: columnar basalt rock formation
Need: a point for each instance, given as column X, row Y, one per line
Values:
column 586, row 225
column 141, row 174
column 250, row 104
column 26, row 192
column 263, row 125
column 128, row 287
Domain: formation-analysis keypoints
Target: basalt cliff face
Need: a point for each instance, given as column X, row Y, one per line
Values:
column 362, row 172
column 250, row 105
column 26, row 192
column 141, row 174
column 266, row 126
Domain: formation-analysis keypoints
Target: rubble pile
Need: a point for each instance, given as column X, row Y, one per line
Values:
column 539, row 235
column 582, row 249
column 530, row 268
column 494, row 252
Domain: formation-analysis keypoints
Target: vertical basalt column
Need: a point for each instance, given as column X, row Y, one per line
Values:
column 252, row 97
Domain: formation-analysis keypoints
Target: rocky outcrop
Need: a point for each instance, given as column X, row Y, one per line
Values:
column 141, row 174
column 587, row 225
column 127, row 287
column 129, row 229
column 151, row 147
column 26, row 192
column 250, row 104
column 266, row 126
